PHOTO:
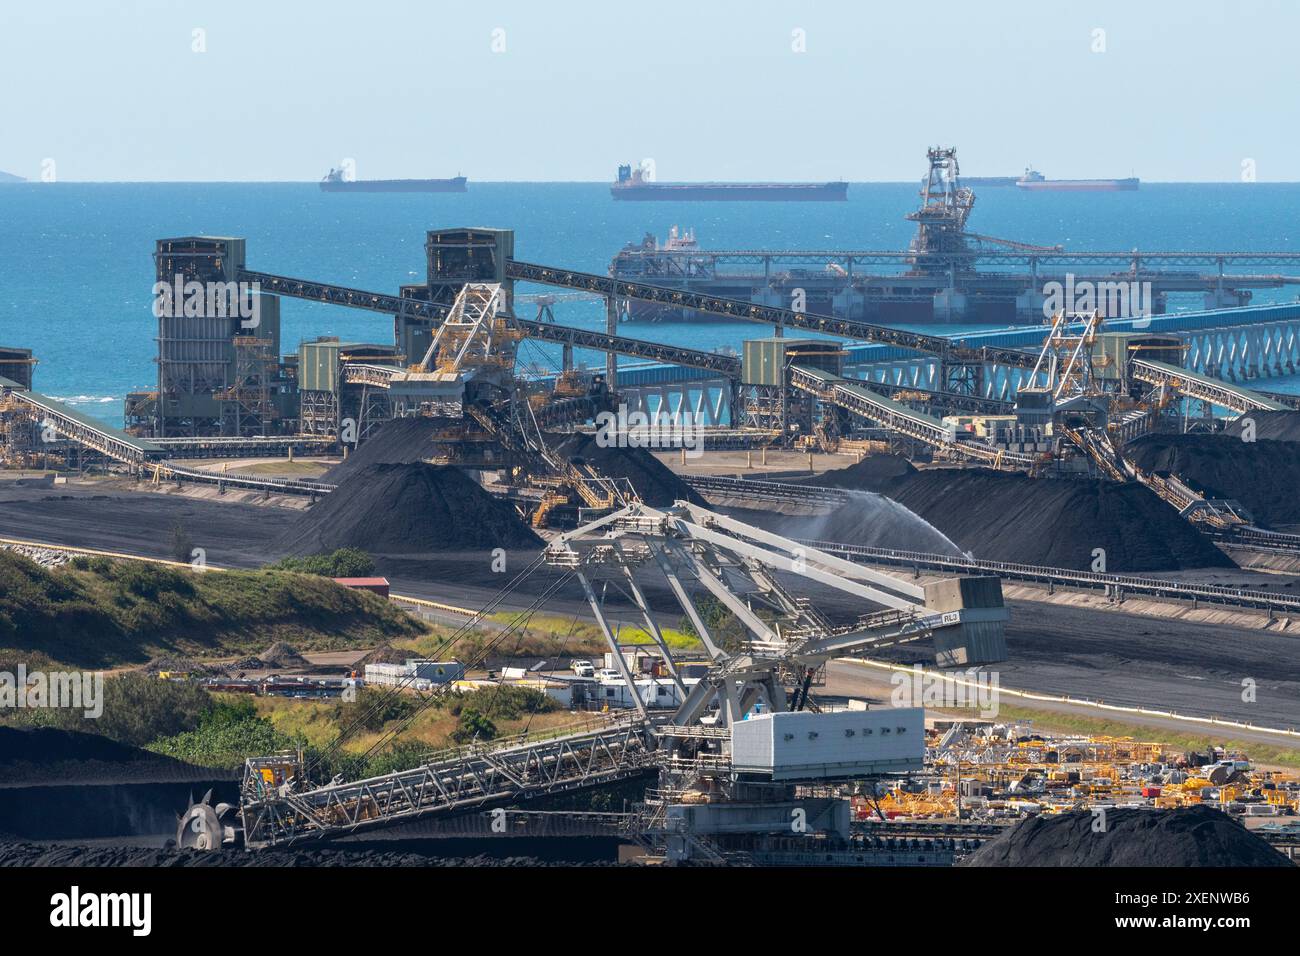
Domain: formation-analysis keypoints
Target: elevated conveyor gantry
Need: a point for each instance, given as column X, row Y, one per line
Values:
column 273, row 814
column 724, row 365
column 742, row 310
column 86, row 431
column 863, row 401
column 621, row 289
column 1202, row 387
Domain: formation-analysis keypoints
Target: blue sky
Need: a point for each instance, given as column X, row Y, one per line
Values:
column 709, row 90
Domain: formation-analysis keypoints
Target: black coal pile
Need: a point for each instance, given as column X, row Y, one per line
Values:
column 407, row 509
column 872, row 473
column 1057, row 522
column 48, row 754
column 51, row 745
column 1263, row 475
column 866, row 519
column 1275, row 426
column 1190, row 836
column 655, row 483
column 401, row 441
column 48, row 854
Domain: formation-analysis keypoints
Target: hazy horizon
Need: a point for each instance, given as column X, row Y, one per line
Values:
column 158, row 91
column 590, row 182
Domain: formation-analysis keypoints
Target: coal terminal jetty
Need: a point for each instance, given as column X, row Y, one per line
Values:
column 949, row 273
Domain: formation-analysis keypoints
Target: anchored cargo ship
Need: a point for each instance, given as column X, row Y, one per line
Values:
column 1033, row 179
column 633, row 185
column 335, row 183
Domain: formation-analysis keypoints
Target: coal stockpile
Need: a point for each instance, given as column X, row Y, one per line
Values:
column 402, row 441
column 407, row 509
column 654, row 482
column 51, row 745
column 1275, row 426
column 44, row 854
column 872, row 473
column 1263, row 475
column 48, row 754
column 1056, row 522
column 866, row 519
column 1190, row 836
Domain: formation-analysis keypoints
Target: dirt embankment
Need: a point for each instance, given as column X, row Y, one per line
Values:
column 1057, row 522
column 1192, row 836
column 1263, row 475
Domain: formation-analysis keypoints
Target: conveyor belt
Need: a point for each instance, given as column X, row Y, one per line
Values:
column 1203, row 387
column 759, row 490
column 71, row 424
column 377, row 376
column 854, row 396
column 170, row 471
column 472, row 777
column 128, row 449
column 766, row 314
column 256, row 446
column 1130, row 584
column 605, row 285
column 725, row 365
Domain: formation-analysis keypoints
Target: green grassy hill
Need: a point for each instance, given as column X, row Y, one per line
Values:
column 102, row 613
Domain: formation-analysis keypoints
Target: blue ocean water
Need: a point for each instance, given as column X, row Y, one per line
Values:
column 76, row 272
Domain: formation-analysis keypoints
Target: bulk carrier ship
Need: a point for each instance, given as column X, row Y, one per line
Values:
column 335, row 183
column 1032, row 179
column 633, row 185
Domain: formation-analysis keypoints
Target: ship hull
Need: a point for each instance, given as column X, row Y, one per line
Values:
column 732, row 192
column 1081, row 185
column 456, row 185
